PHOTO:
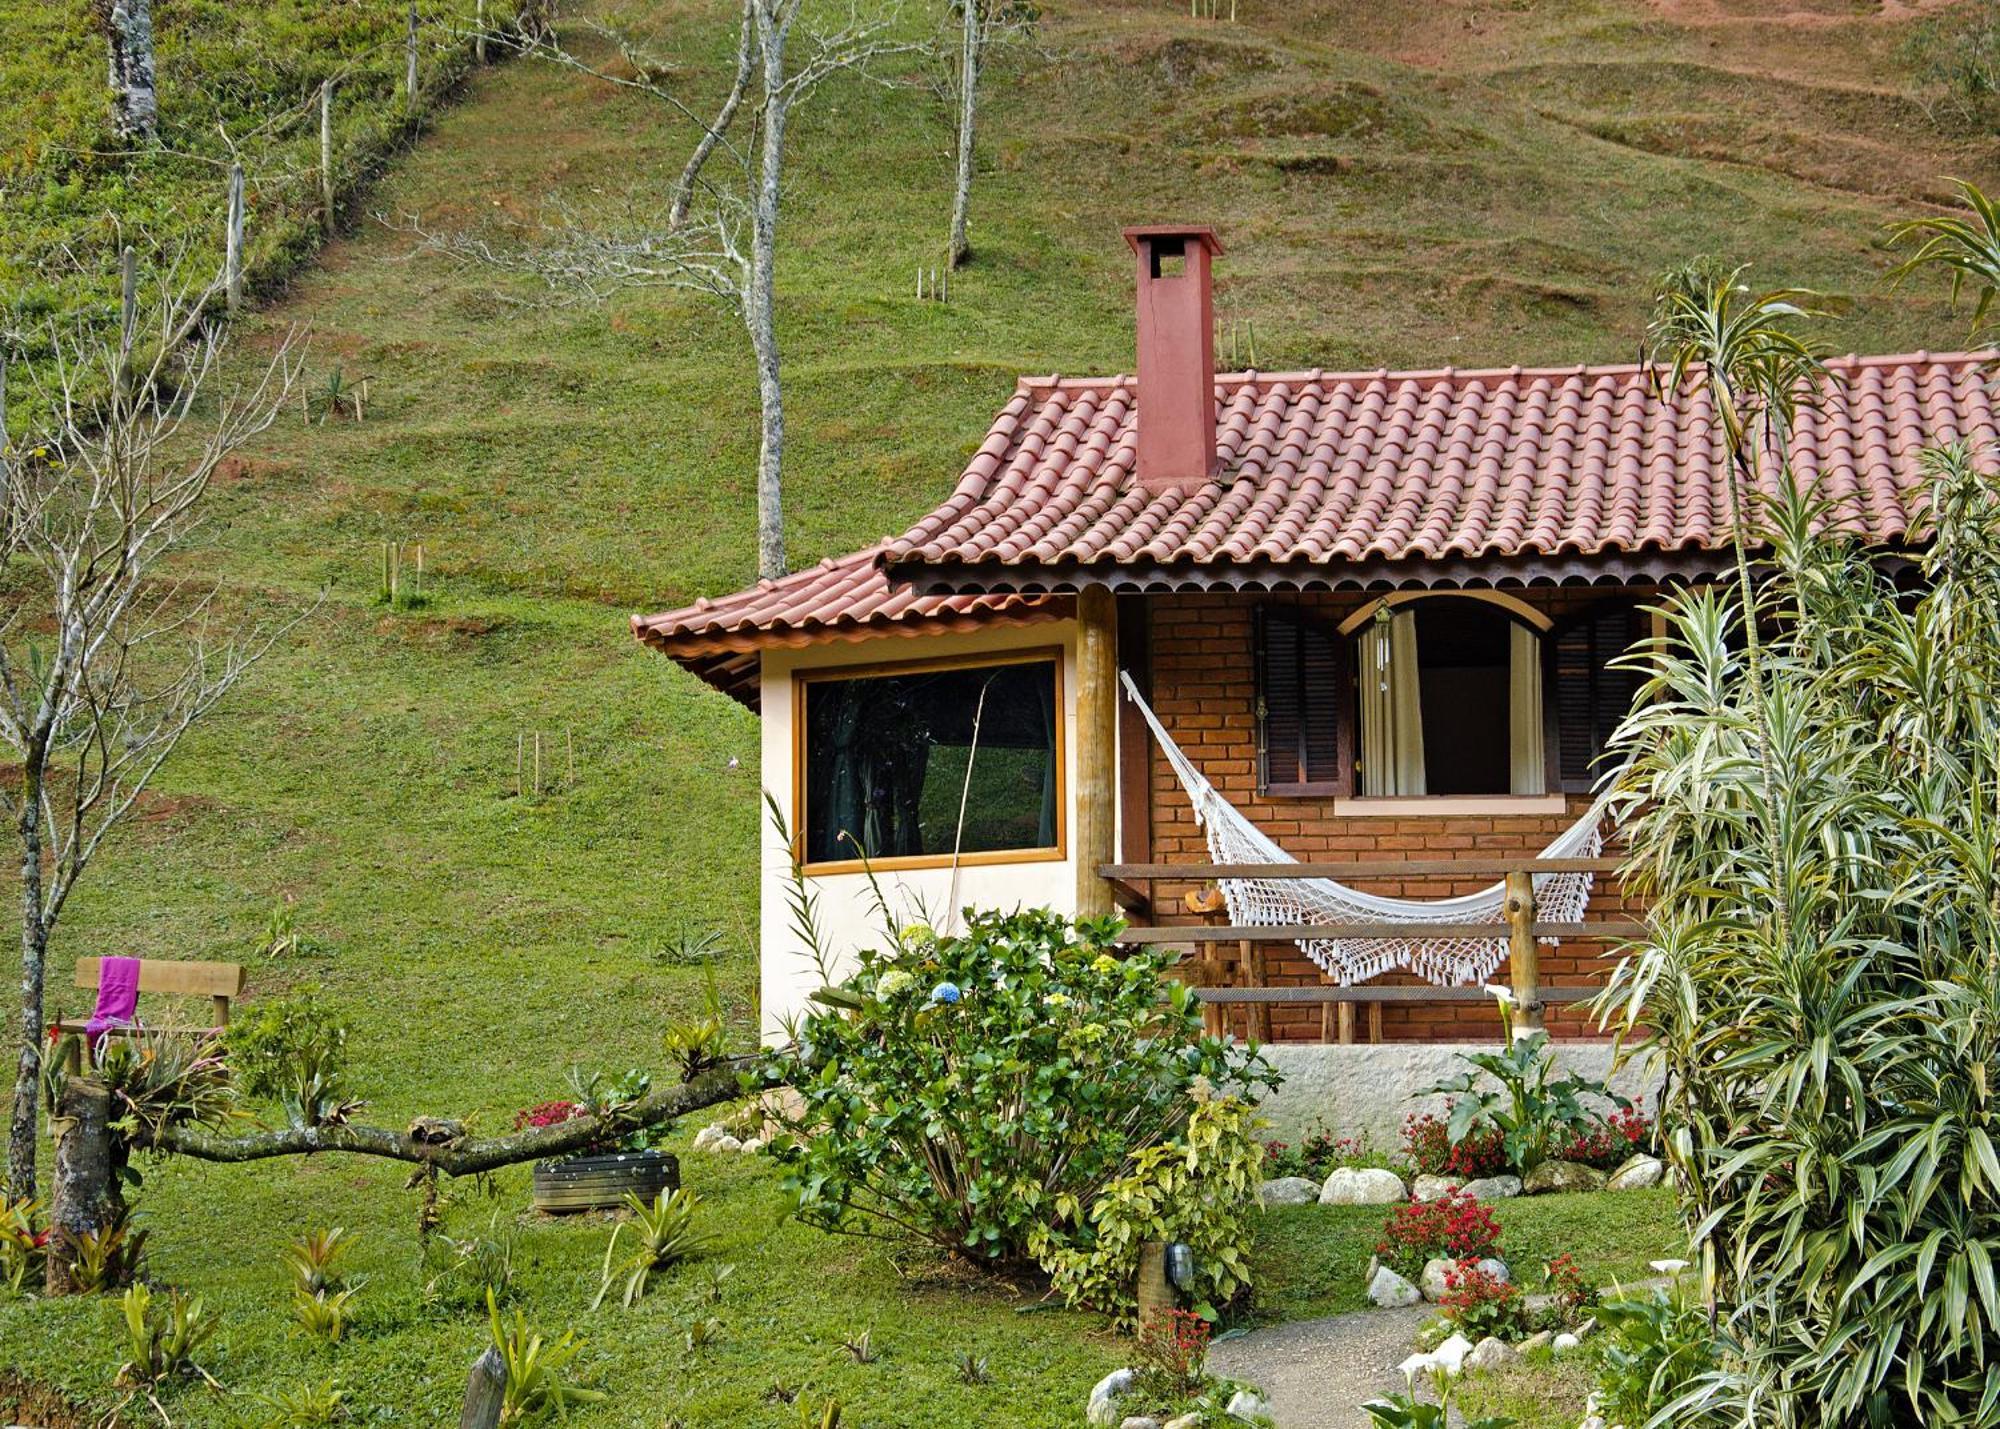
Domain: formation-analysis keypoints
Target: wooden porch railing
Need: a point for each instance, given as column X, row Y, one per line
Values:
column 1134, row 885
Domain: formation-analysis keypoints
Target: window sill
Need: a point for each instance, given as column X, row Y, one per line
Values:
column 1432, row 806
column 904, row 863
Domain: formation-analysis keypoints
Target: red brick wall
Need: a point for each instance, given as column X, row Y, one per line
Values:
column 1204, row 688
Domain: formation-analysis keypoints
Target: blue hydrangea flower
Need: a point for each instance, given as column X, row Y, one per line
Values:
column 945, row 992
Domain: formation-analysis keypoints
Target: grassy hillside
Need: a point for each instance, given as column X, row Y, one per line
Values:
column 1397, row 184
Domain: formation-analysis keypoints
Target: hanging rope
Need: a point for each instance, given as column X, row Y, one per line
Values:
column 1271, row 903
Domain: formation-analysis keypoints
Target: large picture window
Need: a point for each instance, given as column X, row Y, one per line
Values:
column 928, row 762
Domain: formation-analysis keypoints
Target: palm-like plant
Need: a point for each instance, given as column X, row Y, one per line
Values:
column 1832, row 1098
column 660, row 1234
column 1967, row 245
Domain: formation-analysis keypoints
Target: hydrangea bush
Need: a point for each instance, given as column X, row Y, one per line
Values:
column 979, row 1092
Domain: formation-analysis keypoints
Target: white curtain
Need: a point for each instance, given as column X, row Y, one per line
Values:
column 1527, row 770
column 1392, row 724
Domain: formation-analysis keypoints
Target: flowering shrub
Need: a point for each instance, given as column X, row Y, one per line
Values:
column 1611, row 1141
column 546, row 1114
column 1173, row 1344
column 1319, row 1155
column 1574, row 1295
column 1430, row 1150
column 1454, row 1226
column 998, row 1087
column 1479, row 1303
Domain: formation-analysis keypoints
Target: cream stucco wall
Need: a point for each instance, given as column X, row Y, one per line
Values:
column 848, row 918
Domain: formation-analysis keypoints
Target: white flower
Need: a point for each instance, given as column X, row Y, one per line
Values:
column 1505, row 994
column 1450, row 1355
column 1669, row 1267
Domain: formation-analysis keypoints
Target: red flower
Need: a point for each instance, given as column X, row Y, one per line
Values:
column 55, row 1033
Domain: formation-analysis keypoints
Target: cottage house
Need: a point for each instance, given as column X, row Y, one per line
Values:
column 1378, row 612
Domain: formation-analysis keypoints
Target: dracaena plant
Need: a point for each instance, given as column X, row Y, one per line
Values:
column 1829, row 1105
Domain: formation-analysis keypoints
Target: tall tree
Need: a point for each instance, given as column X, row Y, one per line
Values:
column 982, row 24
column 724, row 240
column 107, row 659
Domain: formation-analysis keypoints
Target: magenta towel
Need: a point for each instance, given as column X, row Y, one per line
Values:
column 117, row 997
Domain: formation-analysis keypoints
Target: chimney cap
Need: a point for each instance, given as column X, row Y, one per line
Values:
column 1199, row 232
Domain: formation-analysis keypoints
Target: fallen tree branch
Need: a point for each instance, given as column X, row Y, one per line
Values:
column 432, row 1144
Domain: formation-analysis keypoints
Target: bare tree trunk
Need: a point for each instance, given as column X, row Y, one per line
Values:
column 969, row 57
column 135, row 98
column 759, row 315
column 86, row 1197
column 25, row 1122
column 684, row 187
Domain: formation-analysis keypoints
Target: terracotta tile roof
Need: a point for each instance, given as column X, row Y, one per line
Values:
column 1327, row 469
column 846, row 599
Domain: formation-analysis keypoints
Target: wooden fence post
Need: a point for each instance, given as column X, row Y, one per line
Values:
column 484, row 1391
column 1522, row 957
column 1209, row 906
column 410, row 64
column 1252, row 954
column 1096, row 795
column 232, row 249
column 326, row 153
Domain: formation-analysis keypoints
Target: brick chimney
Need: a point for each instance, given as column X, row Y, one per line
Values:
column 1176, row 417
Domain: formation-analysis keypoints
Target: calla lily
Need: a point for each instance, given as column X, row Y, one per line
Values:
column 1669, row 1267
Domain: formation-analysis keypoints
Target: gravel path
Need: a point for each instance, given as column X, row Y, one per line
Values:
column 1316, row 1373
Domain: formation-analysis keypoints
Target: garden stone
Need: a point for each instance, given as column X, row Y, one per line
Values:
column 1592, row 1421
column 1497, row 1268
column 1247, row 1406
column 1363, row 1186
column 1562, row 1176
column 1432, row 1278
column 1451, row 1354
column 1391, row 1291
column 1585, row 1330
column 1493, row 1188
column 1490, row 1353
column 1564, row 1343
column 1540, row 1340
column 1291, row 1191
column 1140, row 1421
column 1431, row 1188
column 1186, row 1421
column 1636, row 1174
column 705, row 1139
column 1103, row 1406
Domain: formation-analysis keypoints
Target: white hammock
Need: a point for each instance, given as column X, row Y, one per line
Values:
column 1267, row 903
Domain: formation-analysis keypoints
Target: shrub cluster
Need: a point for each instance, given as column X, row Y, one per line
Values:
column 1429, row 1150
column 1454, row 1226
column 1017, row 1094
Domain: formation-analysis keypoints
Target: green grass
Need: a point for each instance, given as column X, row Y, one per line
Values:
column 1312, row 1259
column 1392, row 192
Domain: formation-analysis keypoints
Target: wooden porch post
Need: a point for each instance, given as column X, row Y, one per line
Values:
column 1523, row 959
column 1096, row 747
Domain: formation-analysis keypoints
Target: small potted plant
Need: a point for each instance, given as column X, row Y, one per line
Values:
column 630, row 1163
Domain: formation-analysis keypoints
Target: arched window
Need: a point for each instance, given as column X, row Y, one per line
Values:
column 1455, row 693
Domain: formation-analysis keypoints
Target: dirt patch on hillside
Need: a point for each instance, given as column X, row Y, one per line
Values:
column 1800, row 14
column 27, row 1401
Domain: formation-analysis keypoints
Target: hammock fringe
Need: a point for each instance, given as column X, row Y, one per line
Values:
column 1270, row 903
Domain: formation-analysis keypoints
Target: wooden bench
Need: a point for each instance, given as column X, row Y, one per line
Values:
column 216, row 981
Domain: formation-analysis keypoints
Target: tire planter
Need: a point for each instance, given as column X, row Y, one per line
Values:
column 596, row 1183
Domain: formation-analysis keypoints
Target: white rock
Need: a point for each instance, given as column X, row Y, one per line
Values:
column 1497, row 1269
column 1431, row 1279
column 1391, row 1291
column 1451, row 1354
column 1103, row 1406
column 727, row 1144
column 705, row 1139
column 1537, row 1341
column 1490, row 1353
column 1636, row 1174
column 1363, row 1186
column 754, row 1145
column 1564, row 1343
column 1186, row 1421
column 1140, row 1421
column 1431, row 1188
column 1592, row 1421
column 1246, row 1406
column 1291, row 1191
column 1586, row 1329
column 1493, row 1188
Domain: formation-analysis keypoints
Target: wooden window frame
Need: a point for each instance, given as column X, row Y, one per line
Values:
column 1342, row 782
column 1058, row 852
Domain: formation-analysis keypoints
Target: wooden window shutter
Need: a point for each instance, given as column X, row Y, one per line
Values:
column 1299, row 698
column 1590, row 697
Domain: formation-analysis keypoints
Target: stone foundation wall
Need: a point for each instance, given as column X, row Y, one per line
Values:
column 1367, row 1091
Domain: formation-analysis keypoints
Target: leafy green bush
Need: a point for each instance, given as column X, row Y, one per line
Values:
column 1199, row 1188
column 971, row 1091
column 1656, row 1347
column 1813, row 819
column 292, row 1049
column 1532, row 1111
